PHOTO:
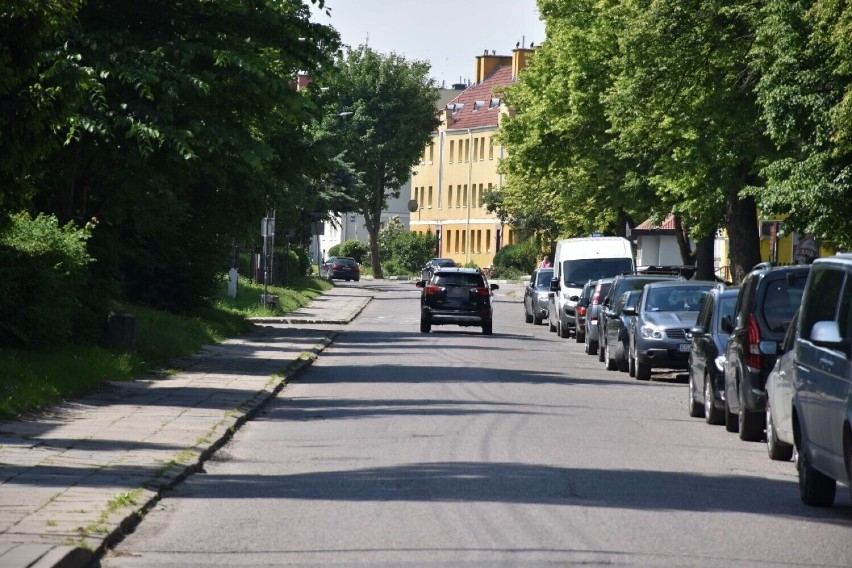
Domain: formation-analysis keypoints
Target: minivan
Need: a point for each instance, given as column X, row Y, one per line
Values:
column 822, row 381
column 575, row 262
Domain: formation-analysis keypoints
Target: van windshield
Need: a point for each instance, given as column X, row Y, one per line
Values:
column 578, row 272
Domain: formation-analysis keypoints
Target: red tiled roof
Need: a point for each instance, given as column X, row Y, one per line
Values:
column 647, row 225
column 491, row 87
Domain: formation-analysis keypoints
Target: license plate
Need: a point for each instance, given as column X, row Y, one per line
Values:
column 683, row 347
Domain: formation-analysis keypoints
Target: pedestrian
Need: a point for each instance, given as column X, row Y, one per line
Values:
column 545, row 263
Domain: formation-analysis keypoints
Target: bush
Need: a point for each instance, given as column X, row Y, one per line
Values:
column 47, row 293
column 351, row 248
column 410, row 251
column 521, row 257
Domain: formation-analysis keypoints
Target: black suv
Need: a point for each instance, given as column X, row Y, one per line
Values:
column 460, row 296
column 620, row 284
column 769, row 297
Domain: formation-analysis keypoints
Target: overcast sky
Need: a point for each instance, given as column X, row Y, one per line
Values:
column 448, row 34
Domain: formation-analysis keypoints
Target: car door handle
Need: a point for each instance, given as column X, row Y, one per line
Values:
column 803, row 370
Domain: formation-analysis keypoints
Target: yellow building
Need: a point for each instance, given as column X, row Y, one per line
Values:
column 459, row 167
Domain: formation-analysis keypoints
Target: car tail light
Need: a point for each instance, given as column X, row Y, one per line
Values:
column 596, row 298
column 483, row 291
column 336, row 266
column 432, row 290
column 753, row 356
column 581, row 310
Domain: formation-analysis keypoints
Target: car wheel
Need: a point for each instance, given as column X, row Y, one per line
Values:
column 776, row 449
column 695, row 410
column 621, row 358
column 550, row 325
column 750, row 424
column 486, row 328
column 712, row 415
column 601, row 352
column 537, row 320
column 580, row 337
column 357, row 279
column 562, row 331
column 592, row 347
column 731, row 420
column 610, row 361
column 631, row 362
column 425, row 326
column 815, row 488
column 643, row 371
column 528, row 317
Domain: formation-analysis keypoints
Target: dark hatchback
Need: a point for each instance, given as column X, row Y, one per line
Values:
column 458, row 296
column 340, row 268
column 768, row 300
column 618, row 330
column 581, row 310
column 707, row 355
column 620, row 285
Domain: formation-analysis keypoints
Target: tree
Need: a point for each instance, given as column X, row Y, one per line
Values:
column 802, row 53
column 185, row 129
column 392, row 105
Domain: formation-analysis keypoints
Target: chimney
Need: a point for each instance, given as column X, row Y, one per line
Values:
column 487, row 63
column 519, row 60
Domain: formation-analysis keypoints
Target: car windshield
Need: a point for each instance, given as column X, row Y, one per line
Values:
column 459, row 279
column 544, row 278
column 578, row 272
column 676, row 298
column 782, row 299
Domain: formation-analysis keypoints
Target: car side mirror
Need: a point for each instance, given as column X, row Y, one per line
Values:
column 574, row 298
column 827, row 334
column 420, row 283
column 629, row 310
column 554, row 285
column 495, row 286
column 727, row 324
column 698, row 331
column 768, row 347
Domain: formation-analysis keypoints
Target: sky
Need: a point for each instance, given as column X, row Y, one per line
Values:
column 448, row 34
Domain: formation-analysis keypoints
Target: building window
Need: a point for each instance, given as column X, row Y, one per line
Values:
column 430, row 197
column 487, row 240
column 431, row 152
column 466, row 150
column 449, row 239
column 452, row 149
column 464, row 196
column 490, row 148
column 464, row 241
column 450, row 196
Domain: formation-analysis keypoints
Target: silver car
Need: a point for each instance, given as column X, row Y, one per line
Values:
column 536, row 295
column 660, row 334
column 779, row 399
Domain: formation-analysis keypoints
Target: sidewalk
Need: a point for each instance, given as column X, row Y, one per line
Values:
column 74, row 478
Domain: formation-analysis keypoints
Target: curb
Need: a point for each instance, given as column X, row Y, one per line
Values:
column 315, row 321
column 80, row 557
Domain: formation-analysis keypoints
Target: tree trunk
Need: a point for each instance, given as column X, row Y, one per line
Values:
column 686, row 256
column 704, row 249
column 743, row 237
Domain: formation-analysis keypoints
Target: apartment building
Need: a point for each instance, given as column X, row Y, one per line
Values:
column 459, row 166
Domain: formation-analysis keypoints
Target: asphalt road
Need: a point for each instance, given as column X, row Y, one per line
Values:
column 456, row 449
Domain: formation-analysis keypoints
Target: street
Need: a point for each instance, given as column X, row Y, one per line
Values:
column 457, row 449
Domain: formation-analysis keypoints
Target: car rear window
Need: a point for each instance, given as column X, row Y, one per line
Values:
column 782, row 298
column 544, row 277
column 459, row 279
column 345, row 261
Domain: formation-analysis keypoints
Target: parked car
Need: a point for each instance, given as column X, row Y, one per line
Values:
column 536, row 295
column 340, row 268
column 822, row 381
column 768, row 299
column 432, row 263
column 581, row 310
column 621, row 284
column 660, row 334
column 459, row 296
column 575, row 262
column 593, row 314
column 779, row 399
column 617, row 329
column 707, row 354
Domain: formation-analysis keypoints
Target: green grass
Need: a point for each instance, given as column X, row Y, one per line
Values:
column 30, row 380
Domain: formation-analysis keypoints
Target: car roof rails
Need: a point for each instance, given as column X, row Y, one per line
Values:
column 762, row 266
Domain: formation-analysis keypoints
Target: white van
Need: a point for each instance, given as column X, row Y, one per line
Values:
column 577, row 261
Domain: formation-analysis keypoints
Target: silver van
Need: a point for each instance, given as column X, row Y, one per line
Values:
column 822, row 381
